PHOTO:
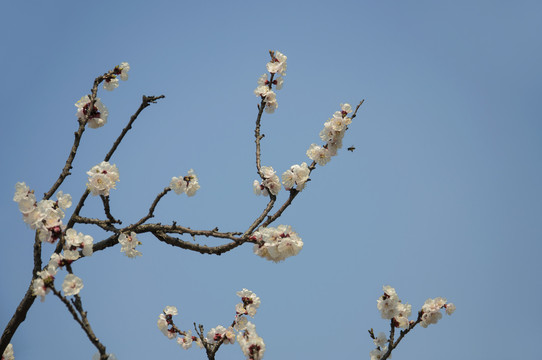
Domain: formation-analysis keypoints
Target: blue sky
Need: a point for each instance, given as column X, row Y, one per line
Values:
column 440, row 198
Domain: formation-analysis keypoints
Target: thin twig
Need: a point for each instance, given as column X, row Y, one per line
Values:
column 107, row 210
column 202, row 249
column 150, row 214
column 104, row 224
column 392, row 345
column 74, row 308
column 145, row 102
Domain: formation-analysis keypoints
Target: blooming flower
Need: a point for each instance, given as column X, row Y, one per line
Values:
column 250, row 303
column 450, row 308
column 332, row 134
column 381, row 339
column 64, row 200
column 8, row 353
column 270, row 182
column 44, row 216
column 277, row 63
column 128, row 244
column 215, row 334
column 72, row 285
column 164, row 320
column 377, row 354
column 387, row 303
column 297, row 175
column 102, row 178
column 75, row 241
column 187, row 184
column 39, row 288
column 97, row 117
column 319, row 154
column 186, row 341
column 56, row 261
column 251, row 344
column 271, row 102
column 276, row 244
column 431, row 310
column 123, row 68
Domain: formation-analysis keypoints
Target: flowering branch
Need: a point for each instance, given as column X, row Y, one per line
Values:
column 275, row 244
column 251, row 344
column 393, row 309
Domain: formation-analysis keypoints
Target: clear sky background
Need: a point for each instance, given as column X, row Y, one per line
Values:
column 440, row 198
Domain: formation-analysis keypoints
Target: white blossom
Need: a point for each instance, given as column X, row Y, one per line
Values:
column 296, row 175
column 377, row 354
column 124, row 68
column 44, row 216
column 111, row 83
column 186, row 341
column 250, row 303
column 102, row 178
column 64, row 201
column 75, row 241
column 319, row 154
column 21, row 191
column 431, row 310
column 387, row 303
column 215, row 334
column 39, row 288
column 72, row 285
column 277, row 63
column 164, row 320
column 276, row 244
column 270, row 182
column 346, row 108
column 271, row 102
column 251, row 344
column 170, row 310
column 187, row 184
column 381, row 339
column 128, row 244
column 97, row 117
column 8, row 353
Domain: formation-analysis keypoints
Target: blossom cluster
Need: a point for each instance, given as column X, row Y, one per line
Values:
column 42, row 284
column 297, row 175
column 276, row 244
column 277, row 65
column 251, row 344
column 44, row 216
column 392, row 308
column 111, row 82
column 8, row 353
column 128, row 244
column 185, row 184
column 249, row 305
column 97, row 116
column 431, row 310
column 102, row 178
column 218, row 333
column 332, row 134
column 74, row 241
column 269, row 184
